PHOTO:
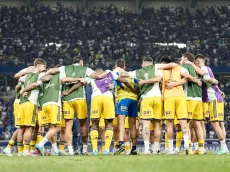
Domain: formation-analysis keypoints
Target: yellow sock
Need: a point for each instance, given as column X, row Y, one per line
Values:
column 10, row 144
column 39, row 138
column 108, row 138
column 94, row 138
column 20, row 147
column 201, row 143
column 116, row 144
column 102, row 146
column 62, row 146
column 127, row 146
column 32, row 144
column 26, row 146
column 179, row 137
column 166, row 141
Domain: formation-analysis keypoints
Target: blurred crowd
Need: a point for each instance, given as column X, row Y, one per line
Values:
column 105, row 34
column 6, row 119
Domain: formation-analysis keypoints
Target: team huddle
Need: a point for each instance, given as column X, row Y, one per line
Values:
column 181, row 96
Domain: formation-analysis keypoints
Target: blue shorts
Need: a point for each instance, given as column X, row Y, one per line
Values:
column 127, row 107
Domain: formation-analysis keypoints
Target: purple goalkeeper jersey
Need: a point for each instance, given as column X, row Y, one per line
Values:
column 215, row 88
column 103, row 84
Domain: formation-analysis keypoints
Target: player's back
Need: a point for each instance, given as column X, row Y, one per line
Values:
column 172, row 75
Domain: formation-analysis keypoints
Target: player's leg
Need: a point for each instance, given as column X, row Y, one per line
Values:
column 146, row 116
column 53, row 141
column 94, row 135
column 108, row 112
column 95, row 115
column 179, row 135
column 8, row 150
column 157, row 117
column 26, row 140
column 215, row 109
column 102, row 133
column 62, row 141
column 166, row 139
column 82, row 115
column 169, row 129
column 68, row 112
column 151, row 129
column 33, row 139
column 20, row 139
column 134, row 142
column 127, row 141
column 40, row 134
column 198, row 122
column 20, row 123
column 29, row 122
column 182, row 115
column 157, row 136
column 132, row 120
column 115, row 134
column 53, row 113
column 190, row 132
column 122, row 111
column 204, row 132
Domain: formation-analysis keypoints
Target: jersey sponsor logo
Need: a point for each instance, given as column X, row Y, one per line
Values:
column 220, row 115
column 94, row 111
column 189, row 113
column 148, row 112
column 124, row 108
column 66, row 112
column 44, row 117
column 168, row 112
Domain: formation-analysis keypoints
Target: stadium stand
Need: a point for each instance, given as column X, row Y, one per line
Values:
column 105, row 34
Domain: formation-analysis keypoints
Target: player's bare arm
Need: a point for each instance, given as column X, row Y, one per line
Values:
column 197, row 69
column 192, row 79
column 52, row 71
column 99, row 75
column 210, row 80
column 151, row 81
column 73, row 80
column 23, row 72
column 18, row 87
column 127, row 84
column 30, row 87
column 167, row 66
column 170, row 85
column 73, row 88
column 46, row 78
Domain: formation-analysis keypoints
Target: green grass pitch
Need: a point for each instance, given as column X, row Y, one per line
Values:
column 140, row 163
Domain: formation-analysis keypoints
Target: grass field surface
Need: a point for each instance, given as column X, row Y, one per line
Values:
column 140, row 163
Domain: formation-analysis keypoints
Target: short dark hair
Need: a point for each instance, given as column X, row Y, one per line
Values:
column 120, row 63
column 165, row 59
column 189, row 56
column 39, row 61
column 147, row 59
column 199, row 56
column 77, row 59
